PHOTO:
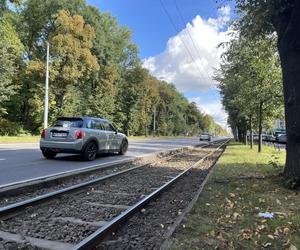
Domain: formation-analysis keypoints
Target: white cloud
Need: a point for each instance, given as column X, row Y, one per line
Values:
column 213, row 108
column 176, row 65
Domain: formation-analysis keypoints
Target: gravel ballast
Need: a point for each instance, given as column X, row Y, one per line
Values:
column 71, row 218
column 150, row 228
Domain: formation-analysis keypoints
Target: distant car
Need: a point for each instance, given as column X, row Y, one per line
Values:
column 205, row 137
column 281, row 138
column 86, row 136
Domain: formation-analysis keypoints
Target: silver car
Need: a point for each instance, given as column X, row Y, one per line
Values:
column 86, row 136
column 205, row 136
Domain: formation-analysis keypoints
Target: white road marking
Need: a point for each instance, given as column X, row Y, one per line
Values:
column 2, row 159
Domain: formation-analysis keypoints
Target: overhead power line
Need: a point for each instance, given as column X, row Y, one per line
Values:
column 183, row 42
column 191, row 37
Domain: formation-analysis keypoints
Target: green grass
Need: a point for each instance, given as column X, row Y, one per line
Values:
column 243, row 184
column 17, row 139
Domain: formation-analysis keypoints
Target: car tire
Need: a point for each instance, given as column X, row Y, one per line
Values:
column 48, row 154
column 90, row 152
column 123, row 147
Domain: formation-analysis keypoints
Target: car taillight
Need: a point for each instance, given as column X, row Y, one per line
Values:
column 79, row 134
column 43, row 134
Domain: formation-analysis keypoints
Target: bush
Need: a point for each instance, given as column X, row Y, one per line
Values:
column 11, row 128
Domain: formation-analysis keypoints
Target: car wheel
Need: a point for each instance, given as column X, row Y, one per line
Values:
column 123, row 147
column 90, row 151
column 49, row 154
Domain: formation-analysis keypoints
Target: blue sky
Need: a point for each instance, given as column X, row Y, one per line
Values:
column 170, row 53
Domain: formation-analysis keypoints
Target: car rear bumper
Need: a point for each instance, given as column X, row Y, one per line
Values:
column 62, row 147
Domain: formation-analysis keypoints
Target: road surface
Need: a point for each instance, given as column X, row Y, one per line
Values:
column 24, row 161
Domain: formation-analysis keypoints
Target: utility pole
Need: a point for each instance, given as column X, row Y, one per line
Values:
column 185, row 123
column 154, row 122
column 46, row 89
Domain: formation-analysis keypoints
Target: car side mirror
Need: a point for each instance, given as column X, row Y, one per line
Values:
column 116, row 131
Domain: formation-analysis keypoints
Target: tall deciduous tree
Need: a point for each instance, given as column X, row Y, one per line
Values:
column 72, row 59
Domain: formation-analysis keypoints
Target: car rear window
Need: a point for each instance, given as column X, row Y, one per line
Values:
column 68, row 123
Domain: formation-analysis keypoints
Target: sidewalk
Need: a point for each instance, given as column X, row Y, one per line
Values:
column 226, row 216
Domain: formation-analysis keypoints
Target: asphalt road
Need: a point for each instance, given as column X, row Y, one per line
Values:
column 24, row 161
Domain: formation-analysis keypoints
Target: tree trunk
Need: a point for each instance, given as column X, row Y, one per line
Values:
column 61, row 102
column 235, row 133
column 245, row 138
column 260, row 119
column 289, row 51
column 251, row 133
column 146, row 130
column 241, row 135
column 240, row 139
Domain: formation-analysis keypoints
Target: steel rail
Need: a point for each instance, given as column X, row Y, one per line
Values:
column 108, row 228
column 14, row 187
column 18, row 206
column 15, row 207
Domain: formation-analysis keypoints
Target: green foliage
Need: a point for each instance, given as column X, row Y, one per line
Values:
column 102, row 92
column 73, row 61
column 280, row 17
column 94, row 71
column 250, row 82
column 10, row 37
column 7, row 71
column 275, row 163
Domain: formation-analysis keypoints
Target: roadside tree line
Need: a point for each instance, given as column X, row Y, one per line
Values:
column 94, row 71
column 264, row 54
column 250, row 84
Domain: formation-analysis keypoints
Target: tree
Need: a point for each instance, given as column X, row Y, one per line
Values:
column 128, row 96
column 11, row 50
column 262, row 18
column 94, row 70
column 147, row 103
column 101, row 95
column 250, row 83
column 7, row 71
column 38, row 20
column 71, row 43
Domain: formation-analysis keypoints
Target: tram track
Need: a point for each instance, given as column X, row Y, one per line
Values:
column 93, row 209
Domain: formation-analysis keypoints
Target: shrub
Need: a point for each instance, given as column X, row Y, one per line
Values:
column 10, row 128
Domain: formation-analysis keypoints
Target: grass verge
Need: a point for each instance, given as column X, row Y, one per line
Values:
column 243, row 184
column 17, row 139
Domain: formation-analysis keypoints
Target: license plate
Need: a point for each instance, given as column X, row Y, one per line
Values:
column 55, row 134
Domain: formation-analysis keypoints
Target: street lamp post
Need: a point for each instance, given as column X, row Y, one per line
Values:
column 46, row 89
column 154, row 121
